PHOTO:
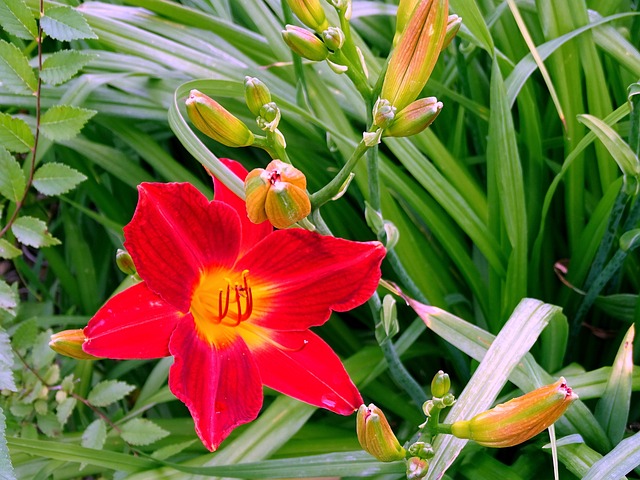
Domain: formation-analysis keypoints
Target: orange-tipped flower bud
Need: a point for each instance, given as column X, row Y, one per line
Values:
column 305, row 43
column 413, row 59
column 310, row 12
column 256, row 94
column 414, row 118
column 69, row 343
column 215, row 121
column 278, row 194
column 405, row 11
column 375, row 435
column 453, row 26
column 416, row 468
column 125, row 262
column 517, row 420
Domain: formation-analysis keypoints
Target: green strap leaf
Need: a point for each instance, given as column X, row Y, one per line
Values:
column 56, row 178
column 140, row 431
column 618, row 462
column 61, row 66
column 17, row 19
column 15, row 134
column 108, row 391
column 66, row 24
column 12, row 180
column 7, row 250
column 33, row 232
column 15, row 73
column 612, row 409
column 63, row 122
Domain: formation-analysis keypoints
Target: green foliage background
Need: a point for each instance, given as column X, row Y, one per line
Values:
column 520, row 172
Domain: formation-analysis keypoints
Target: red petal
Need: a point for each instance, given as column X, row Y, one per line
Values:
column 298, row 277
column 251, row 233
column 175, row 234
column 303, row 366
column 220, row 384
column 136, row 323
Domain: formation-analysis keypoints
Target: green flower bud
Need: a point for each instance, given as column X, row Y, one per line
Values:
column 416, row 468
column 310, row 12
column 414, row 118
column 125, row 262
column 421, row 450
column 449, row 399
column 69, row 343
column 278, row 194
column 256, row 94
column 413, row 59
column 453, row 26
column 269, row 118
column 440, row 384
column 215, row 121
column 383, row 113
column 305, row 43
column 519, row 419
column 333, row 38
column 375, row 435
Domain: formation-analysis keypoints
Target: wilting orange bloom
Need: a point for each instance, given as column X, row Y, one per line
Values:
column 232, row 302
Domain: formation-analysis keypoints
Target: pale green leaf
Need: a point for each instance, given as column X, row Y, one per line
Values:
column 25, row 335
column 6, row 357
column 618, row 462
column 6, row 469
column 42, row 355
column 16, row 75
column 56, row 178
column 12, row 181
column 8, row 251
column 108, row 391
column 63, row 122
column 15, row 134
column 62, row 65
column 612, row 410
column 95, row 435
column 140, row 431
column 65, row 24
column 49, row 424
column 17, row 19
column 8, row 298
column 64, row 409
column 33, row 232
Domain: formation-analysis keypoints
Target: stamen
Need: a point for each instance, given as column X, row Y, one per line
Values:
column 214, row 307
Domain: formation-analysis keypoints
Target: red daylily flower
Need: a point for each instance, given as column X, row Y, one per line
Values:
column 232, row 302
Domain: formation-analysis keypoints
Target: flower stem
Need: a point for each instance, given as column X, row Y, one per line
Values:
column 332, row 188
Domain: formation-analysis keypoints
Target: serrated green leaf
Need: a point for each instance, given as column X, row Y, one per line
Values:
column 61, row 66
column 8, row 251
column 49, row 424
column 16, row 75
column 65, row 408
column 6, row 469
column 140, row 431
column 65, row 24
column 56, row 178
column 25, row 335
column 17, row 19
column 109, row 391
column 62, row 122
column 15, row 134
column 33, row 232
column 6, row 359
column 95, row 435
column 12, row 181
column 41, row 354
column 8, row 299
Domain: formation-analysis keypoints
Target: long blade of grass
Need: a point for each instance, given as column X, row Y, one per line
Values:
column 618, row 462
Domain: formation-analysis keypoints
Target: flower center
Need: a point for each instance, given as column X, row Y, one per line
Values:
column 228, row 304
